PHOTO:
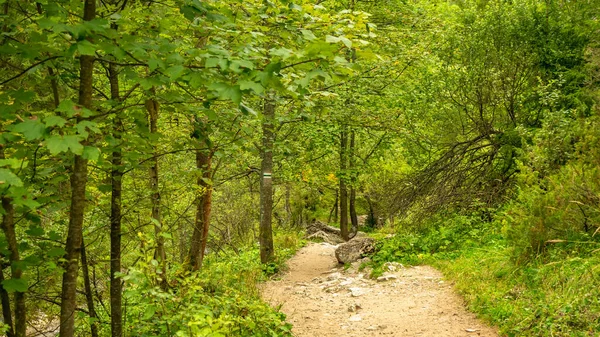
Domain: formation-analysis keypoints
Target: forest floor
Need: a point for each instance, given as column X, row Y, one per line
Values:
column 322, row 298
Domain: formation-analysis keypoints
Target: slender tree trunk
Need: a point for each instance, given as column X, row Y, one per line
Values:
column 205, row 160
column 153, row 109
column 6, row 311
column 266, row 183
column 343, row 189
column 336, row 212
column 288, row 205
column 116, row 176
column 54, row 86
column 8, row 227
column 353, row 216
column 374, row 222
column 78, row 183
column 334, row 209
column 204, row 200
column 88, row 292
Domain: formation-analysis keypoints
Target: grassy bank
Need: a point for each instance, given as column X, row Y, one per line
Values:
column 556, row 293
column 221, row 300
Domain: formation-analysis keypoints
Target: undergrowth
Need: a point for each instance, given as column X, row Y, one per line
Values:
column 221, row 300
column 555, row 293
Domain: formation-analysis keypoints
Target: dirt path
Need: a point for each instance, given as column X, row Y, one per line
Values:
column 321, row 299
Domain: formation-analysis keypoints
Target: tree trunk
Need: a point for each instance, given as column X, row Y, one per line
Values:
column 4, row 297
column 336, row 212
column 205, row 160
column 78, row 183
column 334, row 209
column 8, row 227
column 153, row 108
column 353, row 216
column 6, row 311
column 203, row 201
column 373, row 216
column 88, row 292
column 116, row 176
column 343, row 189
column 266, row 183
column 288, row 205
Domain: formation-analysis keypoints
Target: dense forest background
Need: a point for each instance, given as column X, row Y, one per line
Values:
column 159, row 158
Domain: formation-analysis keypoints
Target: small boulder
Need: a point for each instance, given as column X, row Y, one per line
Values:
column 354, row 249
column 319, row 226
column 322, row 232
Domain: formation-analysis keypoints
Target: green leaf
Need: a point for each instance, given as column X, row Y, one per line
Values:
column 26, row 202
column 156, row 222
column 153, row 64
column 284, row 53
column 68, row 107
column 55, row 121
column 85, row 47
column 12, row 163
column 309, row 35
column 255, row 86
column 247, row 110
column 83, row 126
column 54, row 236
column 211, row 114
column 58, row 144
column 331, row 39
column 268, row 74
column 243, row 63
column 9, row 178
column 212, row 62
column 226, row 91
column 91, row 153
column 346, row 41
column 56, row 252
column 174, row 72
column 31, row 129
column 12, row 285
column 305, row 82
column 35, row 231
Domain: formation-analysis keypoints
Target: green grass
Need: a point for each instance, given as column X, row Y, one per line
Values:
column 559, row 298
column 220, row 300
column 554, row 294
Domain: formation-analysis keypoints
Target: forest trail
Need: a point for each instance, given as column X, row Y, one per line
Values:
column 320, row 298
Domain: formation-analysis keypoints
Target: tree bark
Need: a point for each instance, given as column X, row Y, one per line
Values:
column 153, row 109
column 203, row 201
column 343, row 189
column 6, row 311
column 353, row 216
column 267, row 253
column 374, row 217
column 334, row 209
column 288, row 204
column 78, row 184
column 116, row 176
column 88, row 292
column 8, row 227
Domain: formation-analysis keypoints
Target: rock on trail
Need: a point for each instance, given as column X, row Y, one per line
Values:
column 320, row 298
